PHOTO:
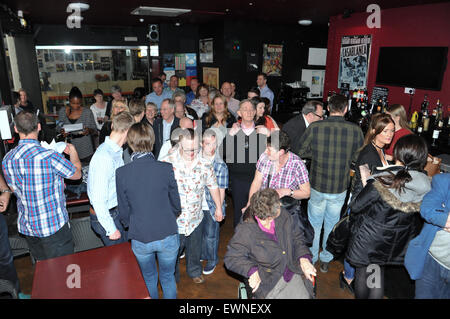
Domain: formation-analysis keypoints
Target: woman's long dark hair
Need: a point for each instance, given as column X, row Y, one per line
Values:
column 412, row 151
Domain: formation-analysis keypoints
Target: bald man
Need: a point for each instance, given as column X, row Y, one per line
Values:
column 232, row 103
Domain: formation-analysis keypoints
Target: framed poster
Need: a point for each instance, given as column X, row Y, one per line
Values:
column 272, row 59
column 314, row 79
column 206, row 50
column 354, row 61
column 211, row 77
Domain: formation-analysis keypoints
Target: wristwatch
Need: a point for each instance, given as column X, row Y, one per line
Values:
column 291, row 193
column 7, row 190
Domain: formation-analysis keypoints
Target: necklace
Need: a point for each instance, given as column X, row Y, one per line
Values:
column 380, row 148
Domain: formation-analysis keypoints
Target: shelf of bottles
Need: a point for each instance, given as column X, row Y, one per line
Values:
column 429, row 122
column 432, row 125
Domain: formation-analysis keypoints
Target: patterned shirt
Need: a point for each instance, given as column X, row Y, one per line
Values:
column 191, row 185
column 332, row 145
column 37, row 177
column 291, row 175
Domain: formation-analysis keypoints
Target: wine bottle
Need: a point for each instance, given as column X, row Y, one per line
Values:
column 426, row 121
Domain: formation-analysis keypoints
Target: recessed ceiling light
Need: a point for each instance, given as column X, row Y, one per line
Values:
column 250, row 4
column 177, row 24
column 141, row 20
column 304, row 22
column 227, row 10
column 161, row 12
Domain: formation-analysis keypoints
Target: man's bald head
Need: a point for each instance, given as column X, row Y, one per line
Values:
column 186, row 122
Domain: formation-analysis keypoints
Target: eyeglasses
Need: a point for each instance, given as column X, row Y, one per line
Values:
column 321, row 117
column 195, row 150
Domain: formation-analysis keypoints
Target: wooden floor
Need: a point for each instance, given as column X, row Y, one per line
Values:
column 220, row 284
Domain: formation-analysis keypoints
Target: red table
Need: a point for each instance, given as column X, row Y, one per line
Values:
column 105, row 273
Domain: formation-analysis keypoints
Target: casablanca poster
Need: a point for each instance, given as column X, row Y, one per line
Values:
column 354, row 61
column 272, row 59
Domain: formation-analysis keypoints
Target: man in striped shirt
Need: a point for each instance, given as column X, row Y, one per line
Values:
column 36, row 176
column 332, row 145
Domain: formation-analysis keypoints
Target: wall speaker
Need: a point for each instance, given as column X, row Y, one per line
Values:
column 154, row 33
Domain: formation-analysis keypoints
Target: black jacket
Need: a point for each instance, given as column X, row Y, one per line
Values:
column 230, row 121
column 383, row 223
column 250, row 246
column 148, row 199
column 369, row 156
column 158, row 128
column 295, row 128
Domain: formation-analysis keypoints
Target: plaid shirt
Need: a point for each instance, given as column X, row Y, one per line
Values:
column 37, row 177
column 332, row 145
column 291, row 175
column 221, row 171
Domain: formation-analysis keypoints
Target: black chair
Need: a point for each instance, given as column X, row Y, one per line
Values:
column 83, row 236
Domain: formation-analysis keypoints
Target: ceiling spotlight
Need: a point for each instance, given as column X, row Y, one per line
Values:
column 141, row 20
column 250, row 4
column 305, row 22
column 177, row 24
column 78, row 5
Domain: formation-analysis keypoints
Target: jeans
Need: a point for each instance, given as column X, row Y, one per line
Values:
column 98, row 228
column 210, row 242
column 166, row 250
column 435, row 281
column 349, row 271
column 59, row 244
column 193, row 249
column 323, row 209
column 7, row 269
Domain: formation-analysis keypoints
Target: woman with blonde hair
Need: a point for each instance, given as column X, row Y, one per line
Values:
column 398, row 114
column 117, row 107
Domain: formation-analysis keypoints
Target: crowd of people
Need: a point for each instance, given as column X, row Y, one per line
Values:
column 182, row 152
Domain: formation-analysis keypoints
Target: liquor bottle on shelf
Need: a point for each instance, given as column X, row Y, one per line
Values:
column 434, row 112
column 413, row 122
column 423, row 107
column 425, row 121
column 436, row 132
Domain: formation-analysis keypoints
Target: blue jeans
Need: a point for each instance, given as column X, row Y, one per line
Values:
column 323, row 209
column 210, row 242
column 435, row 281
column 167, row 251
column 98, row 228
column 193, row 246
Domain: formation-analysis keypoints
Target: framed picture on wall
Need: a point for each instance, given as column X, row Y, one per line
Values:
column 60, row 67
column 70, row 67
column 87, row 56
column 211, row 77
column 79, row 66
column 272, row 59
column 206, row 50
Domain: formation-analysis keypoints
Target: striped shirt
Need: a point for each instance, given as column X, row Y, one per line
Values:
column 36, row 176
column 101, row 186
column 291, row 175
column 332, row 145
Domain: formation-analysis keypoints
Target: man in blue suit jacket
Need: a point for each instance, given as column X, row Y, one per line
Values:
column 149, row 204
column 428, row 256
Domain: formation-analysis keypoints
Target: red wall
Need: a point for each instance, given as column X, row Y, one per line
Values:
column 424, row 25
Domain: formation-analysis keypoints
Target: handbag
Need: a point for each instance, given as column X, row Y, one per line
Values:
column 433, row 166
column 294, row 207
column 338, row 239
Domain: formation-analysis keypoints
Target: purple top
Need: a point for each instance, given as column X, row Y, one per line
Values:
column 288, row 274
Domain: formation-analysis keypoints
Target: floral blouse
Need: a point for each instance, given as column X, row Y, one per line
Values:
column 191, row 186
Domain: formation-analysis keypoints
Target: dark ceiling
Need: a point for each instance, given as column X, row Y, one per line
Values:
column 117, row 12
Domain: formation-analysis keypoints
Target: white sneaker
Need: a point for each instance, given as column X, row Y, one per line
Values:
column 208, row 271
column 182, row 256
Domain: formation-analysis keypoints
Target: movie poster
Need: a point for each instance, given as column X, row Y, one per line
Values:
column 354, row 61
column 272, row 59
column 211, row 77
